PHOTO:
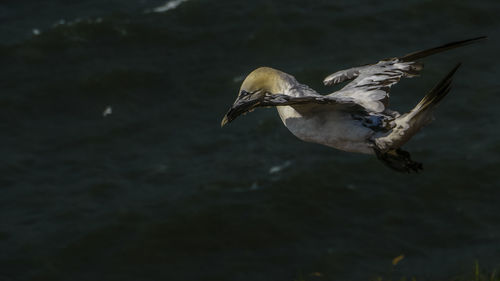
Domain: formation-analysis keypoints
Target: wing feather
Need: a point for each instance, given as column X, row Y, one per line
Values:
column 342, row 75
column 371, row 84
column 282, row 100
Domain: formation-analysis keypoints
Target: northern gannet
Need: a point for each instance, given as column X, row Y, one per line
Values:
column 356, row 118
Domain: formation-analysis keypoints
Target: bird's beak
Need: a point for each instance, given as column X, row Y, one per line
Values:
column 225, row 120
column 244, row 103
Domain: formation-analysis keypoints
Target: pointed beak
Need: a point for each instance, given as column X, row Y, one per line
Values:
column 225, row 120
column 242, row 105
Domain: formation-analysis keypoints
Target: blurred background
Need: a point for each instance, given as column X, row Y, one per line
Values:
column 114, row 166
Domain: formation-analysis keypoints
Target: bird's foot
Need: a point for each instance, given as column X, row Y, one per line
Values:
column 399, row 160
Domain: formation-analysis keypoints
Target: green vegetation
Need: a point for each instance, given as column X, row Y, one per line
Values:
column 477, row 274
column 481, row 276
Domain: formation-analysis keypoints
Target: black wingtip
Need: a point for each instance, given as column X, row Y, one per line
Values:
column 450, row 74
column 421, row 54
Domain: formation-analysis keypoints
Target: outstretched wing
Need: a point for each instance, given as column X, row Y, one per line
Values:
column 282, row 99
column 247, row 102
column 371, row 84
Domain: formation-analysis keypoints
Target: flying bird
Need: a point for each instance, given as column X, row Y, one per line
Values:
column 355, row 118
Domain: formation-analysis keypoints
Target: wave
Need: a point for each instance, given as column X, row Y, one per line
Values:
column 169, row 5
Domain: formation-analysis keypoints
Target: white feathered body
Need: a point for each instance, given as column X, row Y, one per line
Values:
column 324, row 124
column 333, row 128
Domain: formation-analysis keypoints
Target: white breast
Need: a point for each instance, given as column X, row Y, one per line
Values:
column 329, row 127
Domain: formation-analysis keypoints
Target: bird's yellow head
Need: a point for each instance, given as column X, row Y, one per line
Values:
column 263, row 78
column 261, row 81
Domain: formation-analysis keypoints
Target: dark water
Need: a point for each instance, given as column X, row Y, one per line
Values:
column 158, row 191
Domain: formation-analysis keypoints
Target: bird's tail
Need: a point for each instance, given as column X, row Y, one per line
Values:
column 407, row 125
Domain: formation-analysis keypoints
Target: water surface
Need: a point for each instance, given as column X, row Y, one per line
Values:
column 156, row 190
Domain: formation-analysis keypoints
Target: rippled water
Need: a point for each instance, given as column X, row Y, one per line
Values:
column 114, row 166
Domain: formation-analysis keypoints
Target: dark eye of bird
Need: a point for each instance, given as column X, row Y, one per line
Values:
column 244, row 93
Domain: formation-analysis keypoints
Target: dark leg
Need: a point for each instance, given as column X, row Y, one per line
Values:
column 398, row 160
